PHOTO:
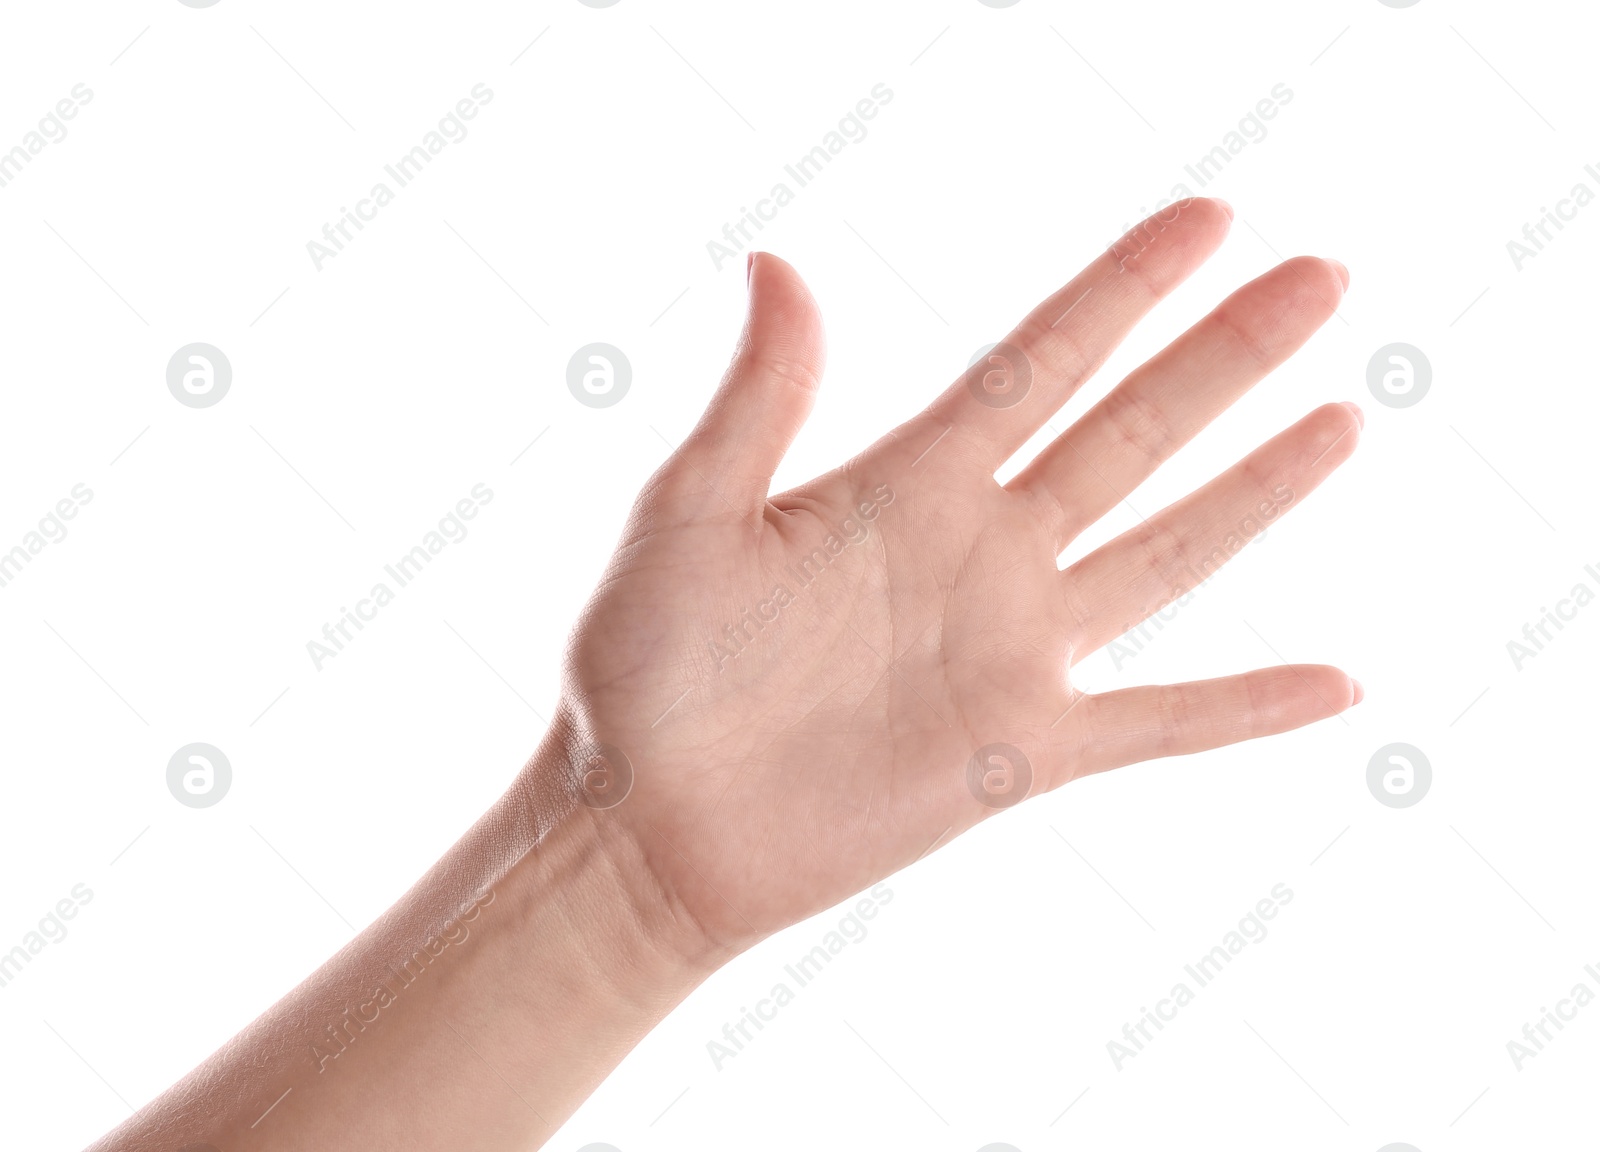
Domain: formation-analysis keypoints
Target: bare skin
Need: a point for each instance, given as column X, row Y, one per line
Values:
column 773, row 701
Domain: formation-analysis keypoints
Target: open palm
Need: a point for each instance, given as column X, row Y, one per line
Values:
column 813, row 689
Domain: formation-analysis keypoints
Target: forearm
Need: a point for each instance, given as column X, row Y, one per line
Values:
column 492, row 998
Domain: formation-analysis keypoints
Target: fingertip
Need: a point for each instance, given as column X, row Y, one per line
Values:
column 1171, row 242
column 1313, row 692
column 1342, row 692
column 1317, row 282
column 1213, row 209
column 766, row 393
column 1332, row 432
column 1188, row 203
column 1342, row 272
column 785, row 312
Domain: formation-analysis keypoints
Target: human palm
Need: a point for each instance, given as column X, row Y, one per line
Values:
column 815, row 689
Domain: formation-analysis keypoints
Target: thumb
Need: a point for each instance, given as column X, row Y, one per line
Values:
column 768, row 390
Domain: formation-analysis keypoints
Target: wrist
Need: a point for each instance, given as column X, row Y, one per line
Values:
column 642, row 943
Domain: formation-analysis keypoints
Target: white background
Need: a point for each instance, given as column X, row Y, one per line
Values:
column 369, row 397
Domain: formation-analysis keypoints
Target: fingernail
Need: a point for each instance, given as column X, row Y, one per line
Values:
column 1361, row 693
column 1355, row 410
column 1226, row 207
column 749, row 263
column 1344, row 273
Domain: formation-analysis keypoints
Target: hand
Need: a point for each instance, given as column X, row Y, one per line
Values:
column 800, row 682
column 808, row 692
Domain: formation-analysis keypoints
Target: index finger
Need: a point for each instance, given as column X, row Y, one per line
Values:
column 1005, row 398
